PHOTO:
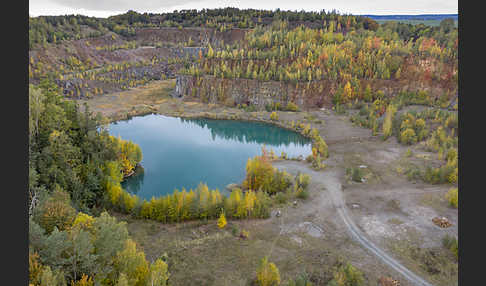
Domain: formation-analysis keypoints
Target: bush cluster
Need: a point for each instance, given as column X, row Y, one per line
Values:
column 412, row 129
column 93, row 250
column 261, row 175
column 452, row 197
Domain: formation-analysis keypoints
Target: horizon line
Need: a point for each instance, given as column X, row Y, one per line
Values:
column 115, row 13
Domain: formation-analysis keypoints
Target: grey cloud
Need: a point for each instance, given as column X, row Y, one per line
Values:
column 122, row 5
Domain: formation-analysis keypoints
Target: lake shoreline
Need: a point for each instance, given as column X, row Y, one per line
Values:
column 203, row 148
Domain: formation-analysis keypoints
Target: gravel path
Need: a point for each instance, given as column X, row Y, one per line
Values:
column 330, row 181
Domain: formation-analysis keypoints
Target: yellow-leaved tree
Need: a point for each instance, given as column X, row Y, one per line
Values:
column 452, row 197
column 133, row 263
column 83, row 221
column 347, row 91
column 267, row 273
column 387, row 123
column 158, row 273
column 222, row 221
column 259, row 172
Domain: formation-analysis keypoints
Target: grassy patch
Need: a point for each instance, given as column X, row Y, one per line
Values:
column 395, row 221
column 199, row 253
column 393, row 206
column 356, row 174
column 437, row 201
column 436, row 264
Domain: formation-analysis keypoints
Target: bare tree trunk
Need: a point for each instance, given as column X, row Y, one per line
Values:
column 33, row 203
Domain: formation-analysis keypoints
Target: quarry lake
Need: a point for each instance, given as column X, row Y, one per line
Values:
column 181, row 153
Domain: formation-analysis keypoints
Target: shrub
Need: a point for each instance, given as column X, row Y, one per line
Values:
column 451, row 243
column 261, row 175
column 368, row 94
column 158, row 273
column 274, row 116
column 408, row 153
column 347, row 275
column 273, row 106
column 302, row 194
column 235, row 230
column 258, row 172
column 244, row 234
column 54, row 278
column 413, row 173
column 83, row 220
column 301, row 280
column 281, row 198
column 309, row 158
column 302, row 180
column 132, row 262
column 452, row 177
column 355, row 173
column 267, row 273
column 316, row 162
column 387, row 124
column 339, row 108
column 222, row 221
column 422, row 134
column 292, row 107
column 84, row 281
column 35, row 268
column 55, row 211
column 321, row 147
column 452, row 197
column 408, row 136
column 419, row 124
column 451, row 154
column 443, row 174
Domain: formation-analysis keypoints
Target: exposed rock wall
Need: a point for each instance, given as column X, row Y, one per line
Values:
column 244, row 91
column 200, row 36
column 260, row 93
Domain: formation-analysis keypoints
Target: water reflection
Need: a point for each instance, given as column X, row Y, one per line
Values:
column 181, row 153
column 134, row 183
column 246, row 132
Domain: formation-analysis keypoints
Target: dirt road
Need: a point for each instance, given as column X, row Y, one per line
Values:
column 329, row 179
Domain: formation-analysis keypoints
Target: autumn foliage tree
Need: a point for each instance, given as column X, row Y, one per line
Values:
column 259, row 172
column 387, row 123
column 267, row 273
column 222, row 221
column 346, row 275
column 133, row 263
column 159, row 274
column 55, row 211
column 452, row 197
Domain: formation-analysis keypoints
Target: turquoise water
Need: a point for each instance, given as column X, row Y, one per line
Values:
column 181, row 153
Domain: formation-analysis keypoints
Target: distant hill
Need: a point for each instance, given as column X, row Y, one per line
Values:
column 423, row 17
column 426, row 19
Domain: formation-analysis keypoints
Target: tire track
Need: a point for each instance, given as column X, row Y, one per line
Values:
column 331, row 183
column 334, row 188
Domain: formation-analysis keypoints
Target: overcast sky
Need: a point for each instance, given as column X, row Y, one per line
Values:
column 105, row 8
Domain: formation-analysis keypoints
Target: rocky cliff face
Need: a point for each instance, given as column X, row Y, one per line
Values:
column 260, row 93
column 188, row 51
column 249, row 91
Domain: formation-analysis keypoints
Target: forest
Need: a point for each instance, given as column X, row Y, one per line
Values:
column 56, row 28
column 346, row 62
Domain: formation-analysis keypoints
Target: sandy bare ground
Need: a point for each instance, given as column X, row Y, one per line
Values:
column 331, row 183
